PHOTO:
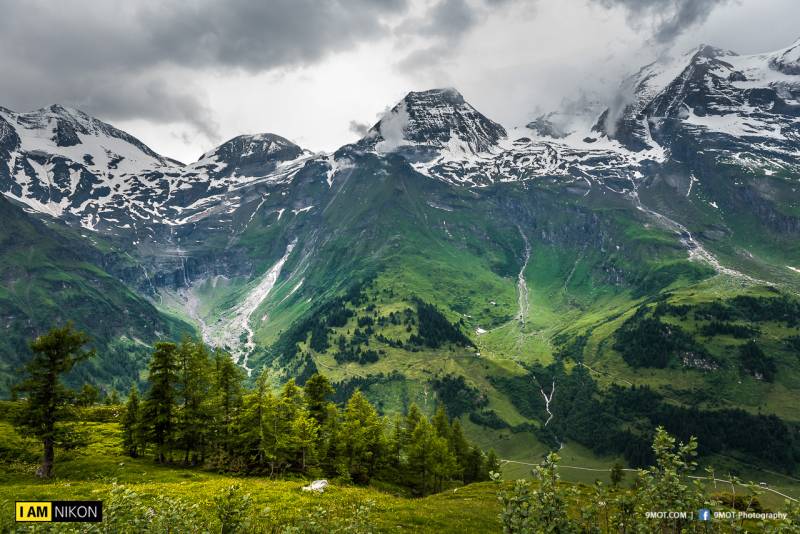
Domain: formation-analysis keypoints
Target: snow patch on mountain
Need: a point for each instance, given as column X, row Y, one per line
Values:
column 64, row 163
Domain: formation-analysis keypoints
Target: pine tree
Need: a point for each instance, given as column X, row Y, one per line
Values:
column 194, row 387
column 396, row 443
column 362, row 438
column 250, row 424
column 305, row 429
column 112, row 398
column 160, row 408
column 492, row 463
column 474, row 466
column 88, row 395
column 292, row 413
column 441, row 423
column 277, row 443
column 54, row 354
column 227, row 397
column 413, row 417
column 318, row 391
column 429, row 459
column 329, row 445
column 460, row 448
column 131, row 425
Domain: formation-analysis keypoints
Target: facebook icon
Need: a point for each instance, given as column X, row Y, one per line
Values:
column 704, row 514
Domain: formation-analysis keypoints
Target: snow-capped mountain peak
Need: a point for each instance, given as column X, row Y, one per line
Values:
column 63, row 162
column 53, row 130
column 247, row 149
column 714, row 96
column 432, row 121
column 788, row 59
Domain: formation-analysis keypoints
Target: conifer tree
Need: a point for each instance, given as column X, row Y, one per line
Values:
column 54, row 354
column 318, row 391
column 459, row 447
column 441, row 423
column 160, row 408
column 362, row 438
column 429, row 458
column 250, row 425
column 88, row 395
column 474, row 467
column 290, row 411
column 305, row 429
column 194, row 386
column 329, row 444
column 413, row 417
column 112, row 398
column 227, row 397
column 492, row 463
column 131, row 425
column 396, row 444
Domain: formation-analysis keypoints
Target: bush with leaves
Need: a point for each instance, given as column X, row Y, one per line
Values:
column 527, row 510
column 231, row 508
column 128, row 512
column 666, row 486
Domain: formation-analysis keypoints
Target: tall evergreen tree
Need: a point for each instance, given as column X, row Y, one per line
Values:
column 112, row 398
column 460, row 448
column 474, row 467
column 227, row 393
column 430, row 461
column 318, row 391
column 132, row 440
column 492, row 462
column 250, row 426
column 290, row 409
column 306, row 430
column 329, row 445
column 88, row 395
column 193, row 394
column 362, row 438
column 160, row 408
column 413, row 417
column 54, row 354
column 441, row 423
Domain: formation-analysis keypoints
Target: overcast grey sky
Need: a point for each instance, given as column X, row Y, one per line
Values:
column 184, row 75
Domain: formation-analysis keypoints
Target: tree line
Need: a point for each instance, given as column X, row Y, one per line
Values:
column 197, row 411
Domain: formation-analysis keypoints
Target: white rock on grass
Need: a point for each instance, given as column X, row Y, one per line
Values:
column 318, row 486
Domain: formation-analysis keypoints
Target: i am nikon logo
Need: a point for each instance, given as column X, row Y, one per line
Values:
column 59, row 511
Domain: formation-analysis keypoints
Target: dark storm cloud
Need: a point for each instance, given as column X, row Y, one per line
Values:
column 667, row 18
column 448, row 19
column 445, row 24
column 126, row 60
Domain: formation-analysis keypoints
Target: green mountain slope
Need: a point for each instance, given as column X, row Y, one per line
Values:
column 368, row 279
column 52, row 275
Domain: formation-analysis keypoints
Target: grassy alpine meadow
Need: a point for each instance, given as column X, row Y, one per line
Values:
column 141, row 496
column 99, row 470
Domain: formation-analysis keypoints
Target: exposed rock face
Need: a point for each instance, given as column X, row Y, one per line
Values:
column 731, row 103
column 435, row 119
